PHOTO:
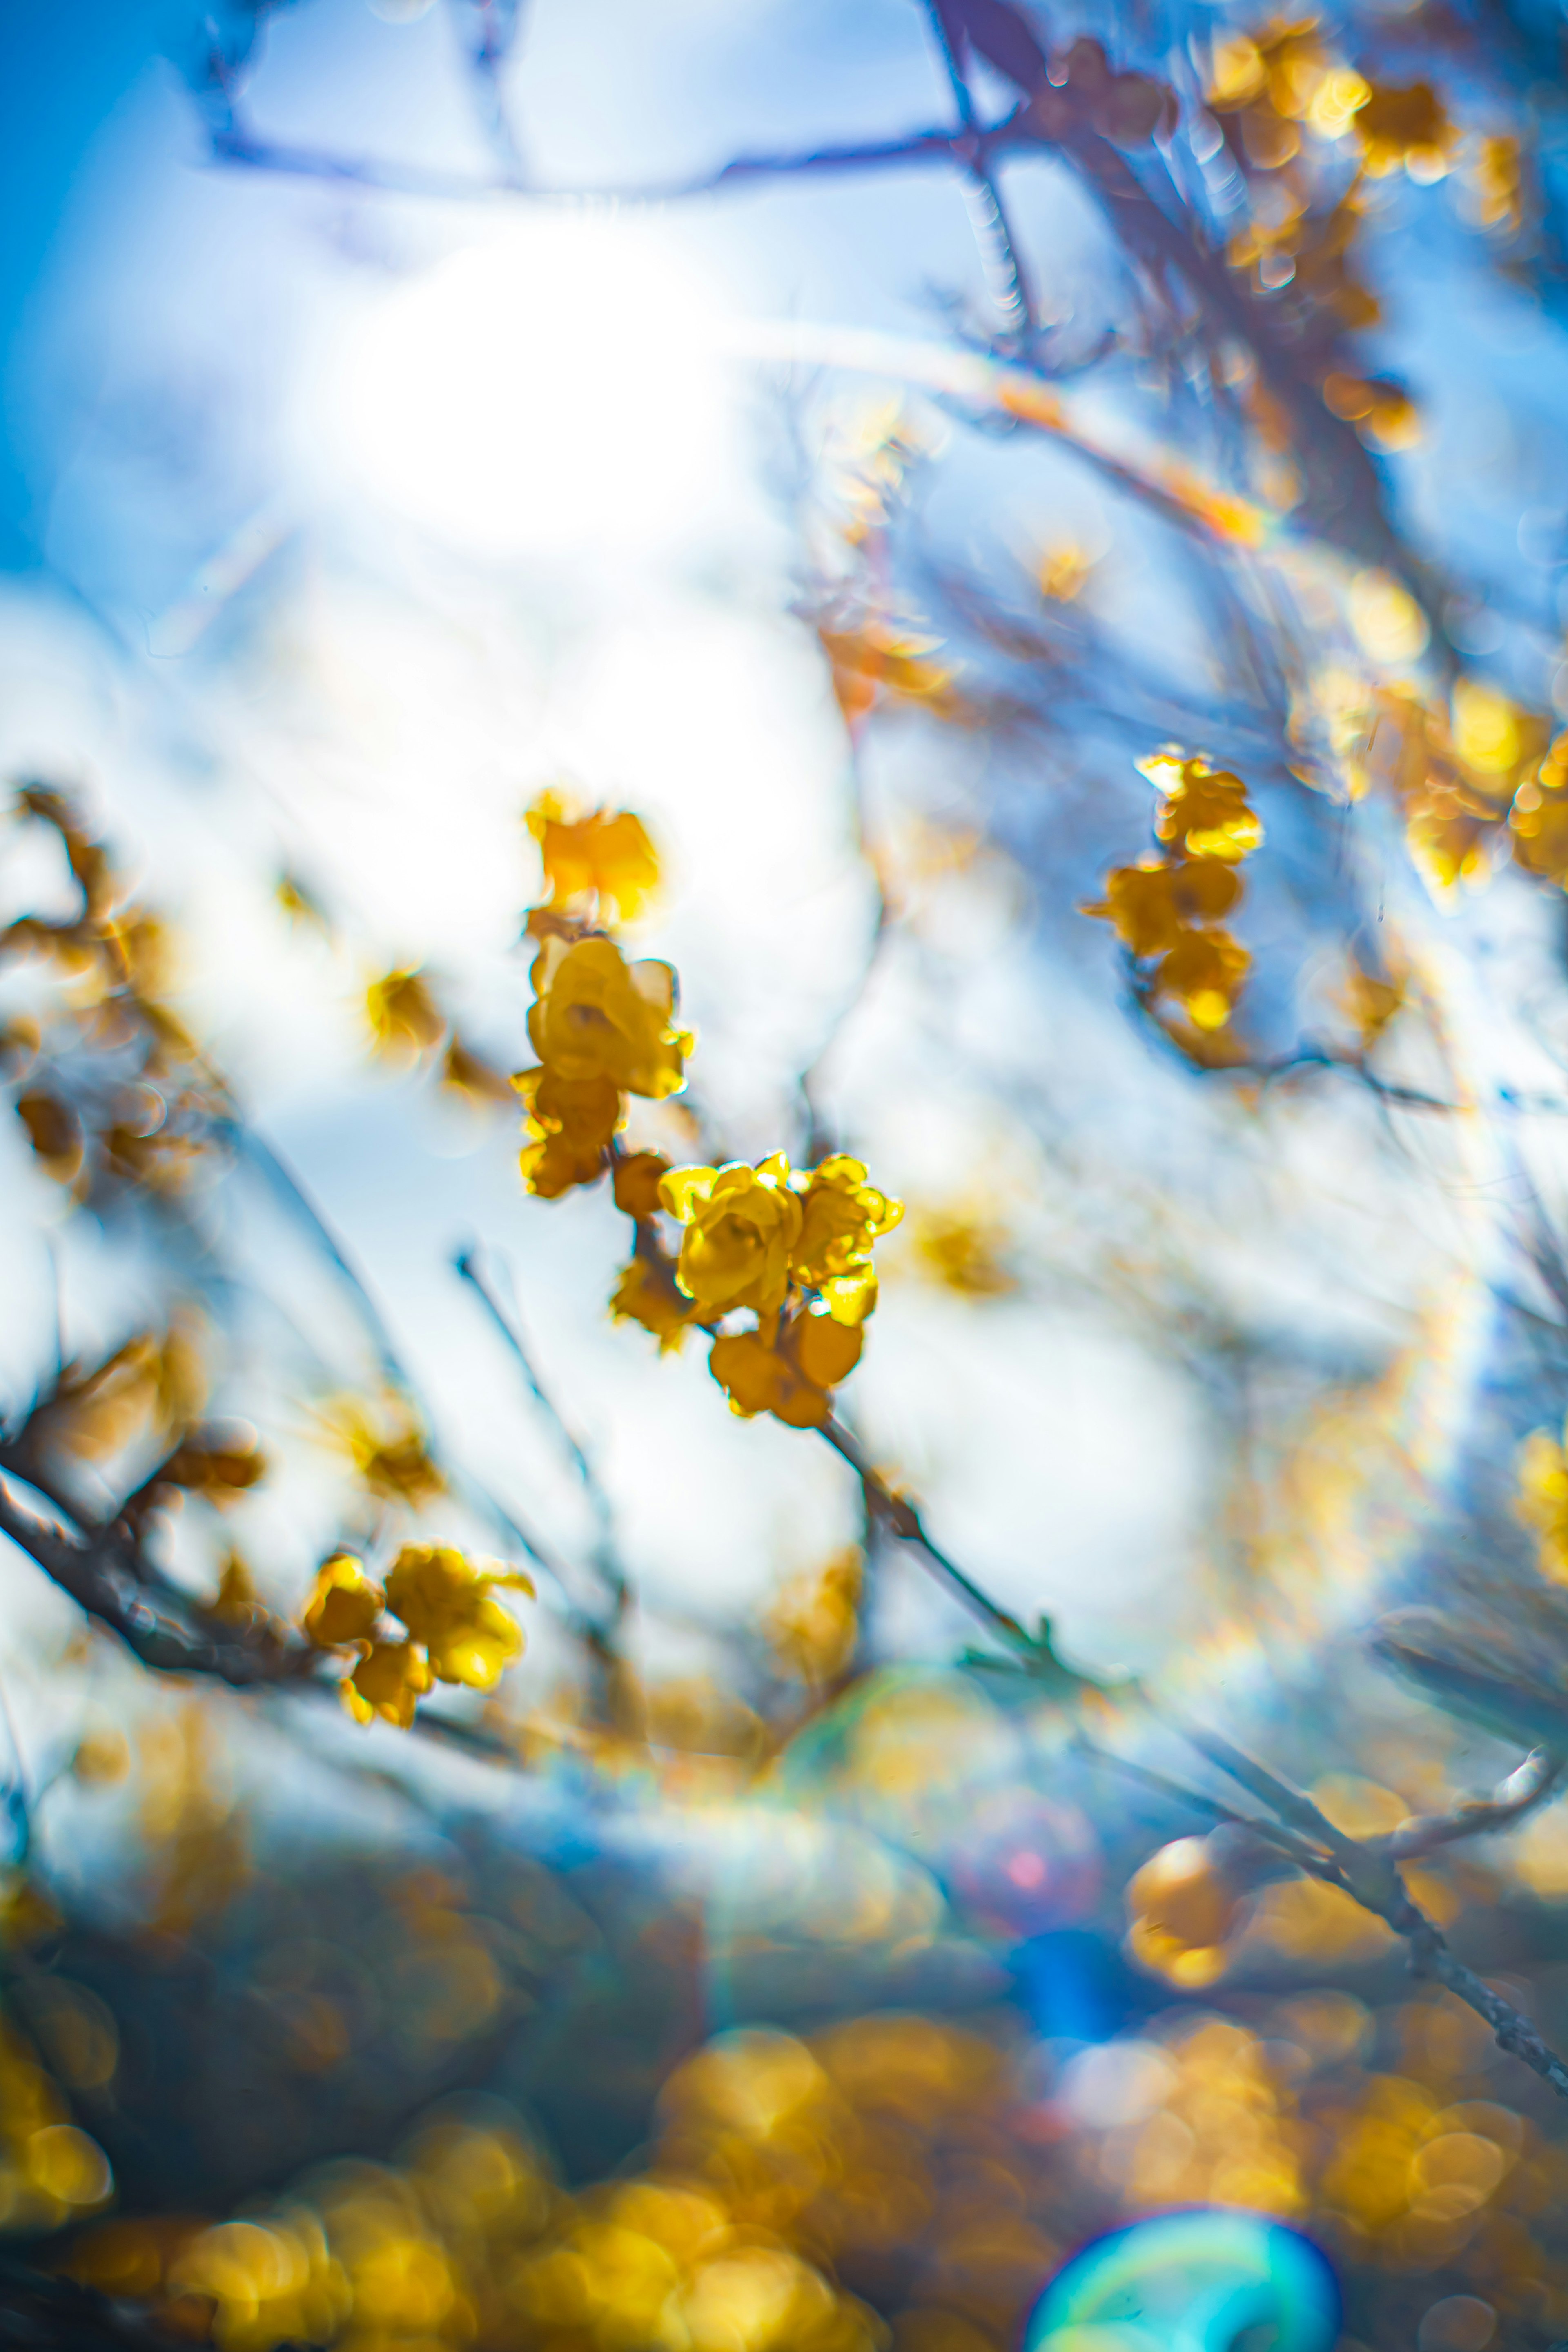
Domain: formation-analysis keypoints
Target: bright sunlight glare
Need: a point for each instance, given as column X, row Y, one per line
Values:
column 557, row 389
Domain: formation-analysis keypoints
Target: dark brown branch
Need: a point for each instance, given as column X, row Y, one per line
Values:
column 102, row 1572
column 1033, row 1654
column 897, row 1513
column 1368, row 1872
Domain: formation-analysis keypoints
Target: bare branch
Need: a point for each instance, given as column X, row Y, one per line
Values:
column 103, row 1574
column 234, row 142
column 1368, row 1872
column 1005, row 277
column 1033, row 1654
column 495, row 37
column 607, row 1559
column 1525, row 1787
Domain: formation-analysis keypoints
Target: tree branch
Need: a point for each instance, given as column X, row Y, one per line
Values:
column 103, row 1574
column 1367, row 1870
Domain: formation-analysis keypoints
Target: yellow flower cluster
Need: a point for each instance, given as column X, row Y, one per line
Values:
column 455, row 1631
column 1167, row 908
column 794, row 1249
column 1283, row 81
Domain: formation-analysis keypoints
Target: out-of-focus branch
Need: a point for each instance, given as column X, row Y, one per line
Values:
column 102, row 1572
column 607, row 1559
column 817, row 1140
column 1528, row 1785
column 233, row 142
column 1005, row 274
column 496, row 27
column 1033, row 1653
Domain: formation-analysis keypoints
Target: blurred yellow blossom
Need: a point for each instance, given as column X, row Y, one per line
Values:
column 444, row 1599
column 965, row 1247
column 54, row 1132
column 406, row 1022
column 1064, row 572
column 1184, row 1912
column 875, row 661
column 1538, row 819
column 1205, row 812
column 788, row 1376
column 597, row 1017
column 1405, row 126
column 636, row 1183
column 647, row 1294
column 1543, row 1500
column 389, row 1681
column 813, row 1623
column 1168, row 906
column 343, row 1606
column 606, row 855
column 388, row 1451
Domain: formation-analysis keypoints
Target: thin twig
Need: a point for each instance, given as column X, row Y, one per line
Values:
column 1005, row 277
column 495, row 38
column 1530, row 1785
column 900, row 1514
column 234, row 142
column 607, row 1560
column 1284, row 1840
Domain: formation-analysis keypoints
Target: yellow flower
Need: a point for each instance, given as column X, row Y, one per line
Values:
column 599, row 1017
column 606, row 853
column 790, row 1380
column 343, row 1604
column 759, row 1379
column 742, row 1225
column 205, row 1464
column 1543, row 1500
column 389, row 1681
column 405, row 1019
column 392, row 1459
column 1150, row 904
column 841, row 1216
column 813, row 1625
column 445, row 1601
column 571, row 1122
column 1205, row 812
column 636, row 1183
column 1405, row 126
column 1203, row 972
column 647, row 1294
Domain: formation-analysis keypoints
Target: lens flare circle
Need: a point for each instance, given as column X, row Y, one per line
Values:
column 1195, row 2282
